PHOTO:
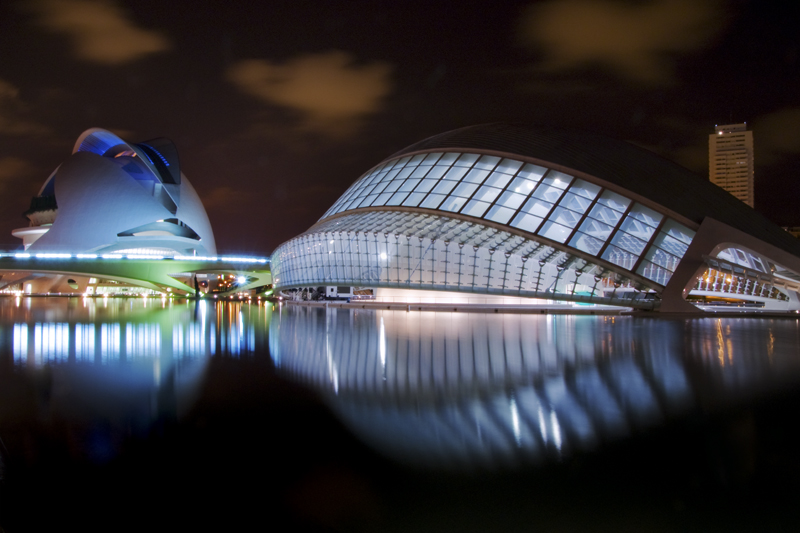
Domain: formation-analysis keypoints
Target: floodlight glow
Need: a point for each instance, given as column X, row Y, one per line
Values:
column 53, row 256
column 241, row 280
column 111, row 256
column 86, row 256
column 22, row 256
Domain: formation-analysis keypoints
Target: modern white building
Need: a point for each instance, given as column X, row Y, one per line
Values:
column 730, row 161
column 513, row 211
column 111, row 196
column 114, row 196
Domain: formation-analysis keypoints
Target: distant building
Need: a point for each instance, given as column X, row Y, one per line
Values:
column 730, row 160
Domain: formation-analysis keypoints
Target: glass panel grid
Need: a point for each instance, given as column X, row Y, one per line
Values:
column 484, row 186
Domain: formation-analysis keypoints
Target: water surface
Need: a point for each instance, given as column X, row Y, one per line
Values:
column 129, row 413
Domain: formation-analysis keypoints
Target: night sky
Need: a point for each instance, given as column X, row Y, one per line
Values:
column 277, row 107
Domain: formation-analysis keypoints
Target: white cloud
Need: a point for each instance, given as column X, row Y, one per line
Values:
column 330, row 90
column 100, row 30
column 637, row 40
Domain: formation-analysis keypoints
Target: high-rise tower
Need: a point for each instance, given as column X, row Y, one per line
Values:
column 730, row 160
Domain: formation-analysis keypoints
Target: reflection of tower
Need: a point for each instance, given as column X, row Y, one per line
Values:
column 730, row 160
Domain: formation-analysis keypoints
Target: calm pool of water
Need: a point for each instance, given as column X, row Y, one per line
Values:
column 131, row 413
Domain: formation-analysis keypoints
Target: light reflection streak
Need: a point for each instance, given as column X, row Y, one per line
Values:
column 382, row 347
column 556, row 430
column 515, row 421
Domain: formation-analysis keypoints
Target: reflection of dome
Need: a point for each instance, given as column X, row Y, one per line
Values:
column 505, row 210
column 111, row 195
column 453, row 389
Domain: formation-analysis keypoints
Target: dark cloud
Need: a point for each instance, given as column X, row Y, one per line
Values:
column 14, row 170
column 100, row 30
column 635, row 39
column 331, row 91
column 13, row 114
column 776, row 135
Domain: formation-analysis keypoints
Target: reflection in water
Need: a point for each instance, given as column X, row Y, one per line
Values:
column 111, row 368
column 159, row 333
column 490, row 389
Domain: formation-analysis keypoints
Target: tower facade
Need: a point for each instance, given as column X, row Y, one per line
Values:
column 730, row 160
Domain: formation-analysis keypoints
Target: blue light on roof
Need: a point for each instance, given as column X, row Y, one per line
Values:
column 164, row 159
column 99, row 142
column 148, row 157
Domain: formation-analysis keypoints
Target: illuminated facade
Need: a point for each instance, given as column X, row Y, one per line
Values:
column 518, row 211
column 115, row 196
column 730, row 161
column 112, row 197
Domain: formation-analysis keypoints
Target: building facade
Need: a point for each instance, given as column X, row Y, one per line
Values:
column 531, row 212
column 114, row 196
column 111, row 196
column 730, row 161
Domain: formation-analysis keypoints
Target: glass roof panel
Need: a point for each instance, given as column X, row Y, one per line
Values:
column 448, row 158
column 511, row 200
column 586, row 243
column 646, row 215
column 614, row 201
column 555, row 232
column 497, row 179
column 558, row 179
column 487, row 162
column 430, row 159
column 527, row 222
column 585, row 189
column 500, row 214
column 467, row 160
column 532, row 172
column 678, row 231
column 509, row 166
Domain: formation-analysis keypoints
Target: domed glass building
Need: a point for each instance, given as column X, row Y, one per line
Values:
column 537, row 212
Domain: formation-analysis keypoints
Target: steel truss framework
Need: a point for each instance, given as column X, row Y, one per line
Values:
column 423, row 251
